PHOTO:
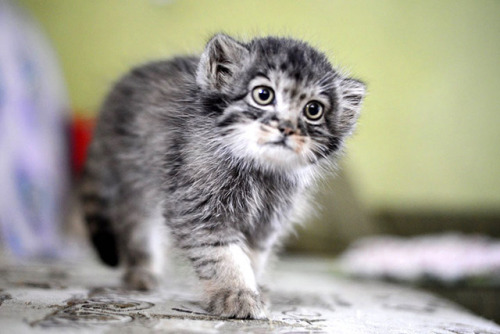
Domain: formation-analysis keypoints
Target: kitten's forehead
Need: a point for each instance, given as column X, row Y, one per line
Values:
column 293, row 87
column 297, row 59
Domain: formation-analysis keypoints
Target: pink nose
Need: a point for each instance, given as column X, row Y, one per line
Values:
column 287, row 128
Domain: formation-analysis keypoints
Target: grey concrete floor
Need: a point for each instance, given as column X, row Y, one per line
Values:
column 81, row 296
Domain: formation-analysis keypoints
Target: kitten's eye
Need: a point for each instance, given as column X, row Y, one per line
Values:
column 263, row 95
column 313, row 110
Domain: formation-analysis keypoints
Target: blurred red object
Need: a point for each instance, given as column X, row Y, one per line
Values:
column 81, row 134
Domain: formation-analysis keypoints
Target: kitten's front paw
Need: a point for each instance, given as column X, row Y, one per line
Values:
column 240, row 304
column 140, row 279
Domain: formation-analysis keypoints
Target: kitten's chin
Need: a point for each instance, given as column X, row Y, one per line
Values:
column 275, row 156
column 280, row 156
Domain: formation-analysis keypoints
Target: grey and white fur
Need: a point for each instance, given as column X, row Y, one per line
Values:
column 223, row 150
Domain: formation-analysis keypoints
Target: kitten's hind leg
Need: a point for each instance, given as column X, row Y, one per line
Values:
column 228, row 278
column 96, row 190
column 141, row 241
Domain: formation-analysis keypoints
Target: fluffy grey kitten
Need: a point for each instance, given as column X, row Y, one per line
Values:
column 222, row 149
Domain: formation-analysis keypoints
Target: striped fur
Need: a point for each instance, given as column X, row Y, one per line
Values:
column 183, row 144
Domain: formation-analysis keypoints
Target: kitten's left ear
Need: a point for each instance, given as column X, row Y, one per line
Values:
column 351, row 95
column 222, row 58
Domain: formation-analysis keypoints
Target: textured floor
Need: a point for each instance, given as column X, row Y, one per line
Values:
column 307, row 297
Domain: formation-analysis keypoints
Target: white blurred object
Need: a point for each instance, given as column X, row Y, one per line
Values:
column 33, row 153
column 447, row 258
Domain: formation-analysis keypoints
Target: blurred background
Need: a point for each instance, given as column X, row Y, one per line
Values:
column 425, row 158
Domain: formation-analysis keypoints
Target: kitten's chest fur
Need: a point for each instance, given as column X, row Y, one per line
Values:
column 209, row 187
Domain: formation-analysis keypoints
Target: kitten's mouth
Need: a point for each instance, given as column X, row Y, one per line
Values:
column 281, row 143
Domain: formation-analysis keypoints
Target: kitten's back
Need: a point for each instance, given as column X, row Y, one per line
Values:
column 139, row 102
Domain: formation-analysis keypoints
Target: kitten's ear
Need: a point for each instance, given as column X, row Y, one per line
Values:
column 351, row 95
column 222, row 58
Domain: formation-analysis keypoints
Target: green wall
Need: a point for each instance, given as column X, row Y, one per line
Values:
column 429, row 136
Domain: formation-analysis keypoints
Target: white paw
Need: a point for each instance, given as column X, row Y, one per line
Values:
column 240, row 304
column 140, row 279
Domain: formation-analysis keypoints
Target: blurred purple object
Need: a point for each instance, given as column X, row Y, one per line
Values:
column 447, row 258
column 33, row 154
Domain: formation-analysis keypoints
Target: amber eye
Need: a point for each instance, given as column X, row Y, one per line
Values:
column 313, row 110
column 263, row 95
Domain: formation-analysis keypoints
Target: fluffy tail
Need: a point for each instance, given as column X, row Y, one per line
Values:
column 95, row 206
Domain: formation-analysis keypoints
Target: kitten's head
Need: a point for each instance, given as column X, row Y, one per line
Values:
column 278, row 102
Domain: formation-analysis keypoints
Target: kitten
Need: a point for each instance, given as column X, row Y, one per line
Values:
column 222, row 149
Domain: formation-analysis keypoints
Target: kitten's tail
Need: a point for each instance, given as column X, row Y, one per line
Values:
column 95, row 205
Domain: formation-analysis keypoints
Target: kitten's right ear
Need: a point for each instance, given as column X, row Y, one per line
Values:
column 222, row 58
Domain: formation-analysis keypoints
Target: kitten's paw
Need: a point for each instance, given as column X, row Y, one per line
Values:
column 240, row 304
column 140, row 279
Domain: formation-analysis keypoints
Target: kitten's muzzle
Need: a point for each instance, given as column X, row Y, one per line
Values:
column 287, row 128
column 282, row 142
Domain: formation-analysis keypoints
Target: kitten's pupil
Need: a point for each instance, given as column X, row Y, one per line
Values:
column 313, row 109
column 264, row 94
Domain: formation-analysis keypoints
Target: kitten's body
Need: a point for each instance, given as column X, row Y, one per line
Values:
column 187, row 143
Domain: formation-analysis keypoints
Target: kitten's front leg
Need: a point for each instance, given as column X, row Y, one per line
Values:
column 260, row 253
column 259, row 256
column 229, row 280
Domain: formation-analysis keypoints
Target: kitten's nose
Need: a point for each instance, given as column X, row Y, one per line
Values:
column 286, row 128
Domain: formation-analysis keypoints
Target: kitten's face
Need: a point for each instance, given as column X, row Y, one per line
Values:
column 285, row 106
column 280, row 122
